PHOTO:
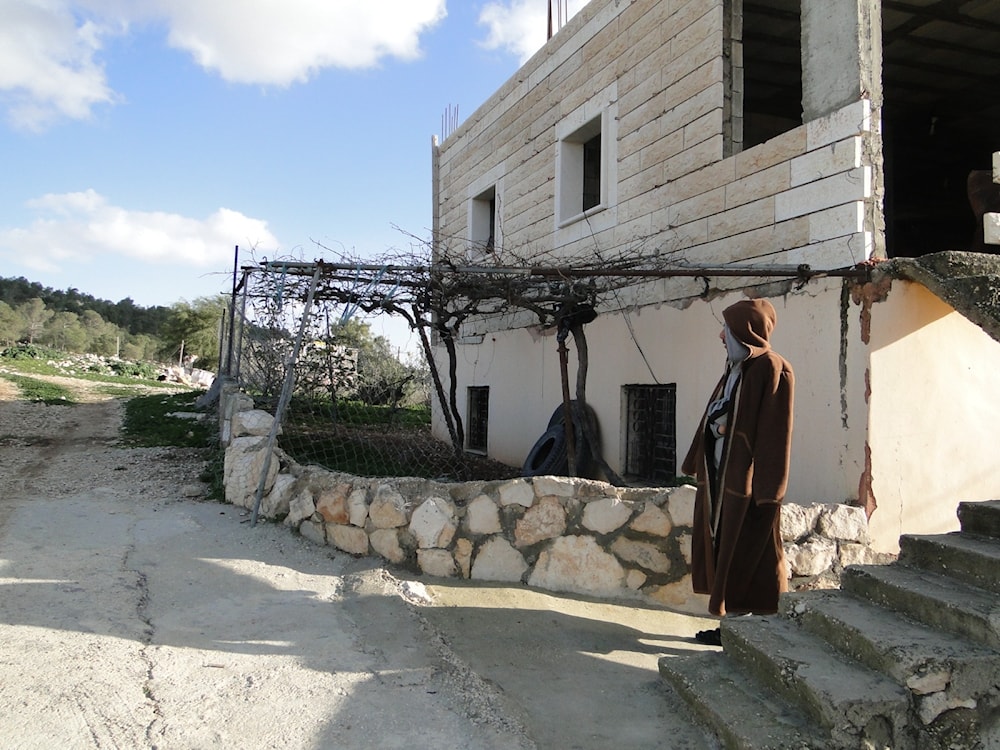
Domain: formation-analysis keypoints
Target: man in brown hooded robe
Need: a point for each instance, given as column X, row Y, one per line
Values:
column 740, row 457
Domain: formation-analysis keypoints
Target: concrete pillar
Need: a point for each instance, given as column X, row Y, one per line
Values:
column 841, row 54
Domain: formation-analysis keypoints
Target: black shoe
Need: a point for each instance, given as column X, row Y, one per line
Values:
column 709, row 637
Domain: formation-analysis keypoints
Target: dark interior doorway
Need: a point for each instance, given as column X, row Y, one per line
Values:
column 941, row 108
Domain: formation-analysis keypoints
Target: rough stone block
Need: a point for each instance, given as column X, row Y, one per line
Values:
column 652, row 521
column 991, row 229
column 255, row 422
column 278, row 501
column 798, row 521
column 300, row 507
column 350, row 539
column 242, row 468
column 357, row 507
column 497, row 560
column 843, row 522
column 517, row 492
column 605, row 516
column 193, row 489
column 332, row 504
column 558, row 486
column 314, row 531
column 850, row 120
column 812, row 557
column 680, row 506
column 385, row 542
column 635, row 579
column 463, row 557
column 645, row 555
column 433, row 523
column 388, row 509
column 437, row 562
column 852, row 553
column 844, row 187
column 483, row 516
column 763, row 183
column 832, row 159
column 545, row 520
column 578, row 564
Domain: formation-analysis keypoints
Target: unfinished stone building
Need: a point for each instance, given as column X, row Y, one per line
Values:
column 749, row 136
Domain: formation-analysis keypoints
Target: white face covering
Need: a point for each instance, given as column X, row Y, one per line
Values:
column 736, row 350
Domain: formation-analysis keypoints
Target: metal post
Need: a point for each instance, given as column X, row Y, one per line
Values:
column 243, row 325
column 232, row 314
column 567, row 403
column 286, row 395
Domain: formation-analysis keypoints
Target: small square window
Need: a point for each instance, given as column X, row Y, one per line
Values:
column 650, row 438
column 479, row 419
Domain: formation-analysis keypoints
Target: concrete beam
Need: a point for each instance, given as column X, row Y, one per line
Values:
column 841, row 55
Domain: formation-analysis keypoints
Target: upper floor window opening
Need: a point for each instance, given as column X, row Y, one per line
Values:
column 586, row 164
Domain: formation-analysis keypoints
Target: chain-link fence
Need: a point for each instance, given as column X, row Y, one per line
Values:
column 349, row 403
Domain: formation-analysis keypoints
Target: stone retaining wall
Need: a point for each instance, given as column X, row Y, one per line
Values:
column 554, row 533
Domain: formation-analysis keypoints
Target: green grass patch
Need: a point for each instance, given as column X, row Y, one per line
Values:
column 30, row 359
column 41, row 391
column 148, row 422
column 357, row 413
column 120, row 391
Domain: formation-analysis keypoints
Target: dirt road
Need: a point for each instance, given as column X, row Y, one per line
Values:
column 134, row 617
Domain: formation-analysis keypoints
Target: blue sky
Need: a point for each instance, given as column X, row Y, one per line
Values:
column 141, row 140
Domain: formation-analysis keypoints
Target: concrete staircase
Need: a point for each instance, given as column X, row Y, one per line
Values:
column 903, row 656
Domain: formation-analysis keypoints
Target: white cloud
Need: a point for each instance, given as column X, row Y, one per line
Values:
column 85, row 227
column 520, row 26
column 49, row 49
column 48, row 68
column 262, row 41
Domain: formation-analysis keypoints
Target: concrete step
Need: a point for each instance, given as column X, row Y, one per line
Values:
column 981, row 518
column 741, row 713
column 932, row 599
column 971, row 559
column 941, row 671
column 857, row 705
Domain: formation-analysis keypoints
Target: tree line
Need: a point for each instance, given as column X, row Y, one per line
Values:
column 72, row 321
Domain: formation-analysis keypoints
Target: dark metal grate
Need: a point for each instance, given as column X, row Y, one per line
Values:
column 479, row 418
column 651, row 444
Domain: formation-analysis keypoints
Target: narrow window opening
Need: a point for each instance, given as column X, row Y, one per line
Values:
column 483, row 225
column 650, row 440
column 592, row 172
column 478, row 418
column 582, row 183
column 772, row 71
column 491, row 239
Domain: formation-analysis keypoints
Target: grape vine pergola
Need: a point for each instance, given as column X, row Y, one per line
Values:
column 437, row 292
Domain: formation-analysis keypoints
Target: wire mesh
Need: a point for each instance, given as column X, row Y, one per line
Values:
column 355, row 406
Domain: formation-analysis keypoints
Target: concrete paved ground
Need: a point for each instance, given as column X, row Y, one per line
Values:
column 131, row 617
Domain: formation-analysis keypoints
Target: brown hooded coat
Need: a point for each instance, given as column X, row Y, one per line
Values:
column 741, row 565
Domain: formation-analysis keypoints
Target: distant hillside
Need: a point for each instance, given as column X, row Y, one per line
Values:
column 125, row 313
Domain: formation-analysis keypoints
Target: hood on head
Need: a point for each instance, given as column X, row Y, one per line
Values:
column 751, row 322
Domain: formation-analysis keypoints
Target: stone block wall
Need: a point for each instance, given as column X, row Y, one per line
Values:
column 554, row 533
column 806, row 196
